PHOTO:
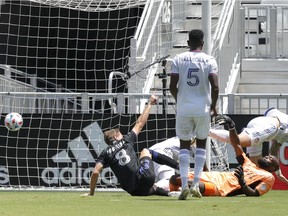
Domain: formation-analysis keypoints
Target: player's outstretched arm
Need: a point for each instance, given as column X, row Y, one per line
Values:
column 234, row 139
column 274, row 150
column 281, row 177
column 94, row 178
column 142, row 119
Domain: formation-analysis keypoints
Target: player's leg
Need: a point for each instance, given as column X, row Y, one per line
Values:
column 163, row 159
column 166, row 174
column 220, row 134
column 184, row 127
column 201, row 131
column 146, row 172
column 200, row 158
column 184, row 165
column 223, row 136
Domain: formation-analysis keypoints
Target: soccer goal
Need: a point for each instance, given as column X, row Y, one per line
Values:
column 56, row 61
column 56, row 147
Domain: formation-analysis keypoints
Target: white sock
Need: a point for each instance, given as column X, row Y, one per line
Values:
column 221, row 135
column 200, row 158
column 184, row 163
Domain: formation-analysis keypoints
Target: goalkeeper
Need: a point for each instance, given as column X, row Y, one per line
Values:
column 272, row 127
column 135, row 175
column 246, row 179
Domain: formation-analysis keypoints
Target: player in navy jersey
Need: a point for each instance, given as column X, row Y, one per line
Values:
column 135, row 175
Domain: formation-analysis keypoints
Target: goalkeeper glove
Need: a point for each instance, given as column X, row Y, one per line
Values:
column 225, row 120
column 240, row 176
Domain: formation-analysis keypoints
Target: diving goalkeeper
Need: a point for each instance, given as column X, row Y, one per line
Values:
column 246, row 179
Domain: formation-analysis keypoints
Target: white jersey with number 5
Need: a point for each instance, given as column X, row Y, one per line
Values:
column 194, row 94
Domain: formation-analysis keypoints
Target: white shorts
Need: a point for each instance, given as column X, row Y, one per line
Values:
column 282, row 135
column 190, row 127
column 259, row 130
column 162, row 172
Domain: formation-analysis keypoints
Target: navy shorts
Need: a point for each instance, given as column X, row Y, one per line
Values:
column 146, row 177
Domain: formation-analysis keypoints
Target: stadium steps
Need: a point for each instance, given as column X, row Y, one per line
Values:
column 264, row 76
column 194, row 21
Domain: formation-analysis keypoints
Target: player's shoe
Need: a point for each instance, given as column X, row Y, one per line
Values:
column 195, row 191
column 184, row 193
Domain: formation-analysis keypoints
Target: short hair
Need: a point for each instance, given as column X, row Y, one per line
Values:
column 196, row 36
column 109, row 136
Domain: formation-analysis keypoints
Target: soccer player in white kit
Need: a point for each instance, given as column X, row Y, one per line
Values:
column 272, row 127
column 171, row 148
column 194, row 85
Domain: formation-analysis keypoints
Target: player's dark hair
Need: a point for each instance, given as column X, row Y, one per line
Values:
column 264, row 164
column 196, row 36
column 109, row 136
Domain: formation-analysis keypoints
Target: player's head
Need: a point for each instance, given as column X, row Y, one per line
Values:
column 112, row 135
column 174, row 182
column 269, row 163
column 196, row 37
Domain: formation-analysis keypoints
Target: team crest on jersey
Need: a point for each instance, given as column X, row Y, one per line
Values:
column 263, row 187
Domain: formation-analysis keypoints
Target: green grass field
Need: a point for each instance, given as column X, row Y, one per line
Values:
column 121, row 204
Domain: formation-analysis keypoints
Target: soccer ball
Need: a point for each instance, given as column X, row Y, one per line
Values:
column 13, row 121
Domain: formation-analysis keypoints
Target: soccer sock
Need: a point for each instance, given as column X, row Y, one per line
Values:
column 221, row 135
column 163, row 159
column 200, row 157
column 184, row 163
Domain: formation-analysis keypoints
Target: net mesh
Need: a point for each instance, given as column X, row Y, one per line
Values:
column 74, row 69
column 66, row 50
column 93, row 5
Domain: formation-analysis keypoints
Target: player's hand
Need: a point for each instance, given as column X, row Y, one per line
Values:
column 213, row 112
column 225, row 120
column 153, row 99
column 85, row 195
column 239, row 173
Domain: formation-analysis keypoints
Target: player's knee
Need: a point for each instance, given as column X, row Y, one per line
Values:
column 145, row 153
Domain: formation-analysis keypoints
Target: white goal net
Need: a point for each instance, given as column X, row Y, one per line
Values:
column 74, row 69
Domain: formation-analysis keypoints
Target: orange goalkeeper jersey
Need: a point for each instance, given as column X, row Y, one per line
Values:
column 226, row 182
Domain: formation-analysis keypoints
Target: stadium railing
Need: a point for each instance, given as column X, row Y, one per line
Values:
column 42, row 102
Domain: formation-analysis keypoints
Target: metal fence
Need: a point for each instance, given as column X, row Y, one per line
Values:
column 125, row 103
column 265, row 31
